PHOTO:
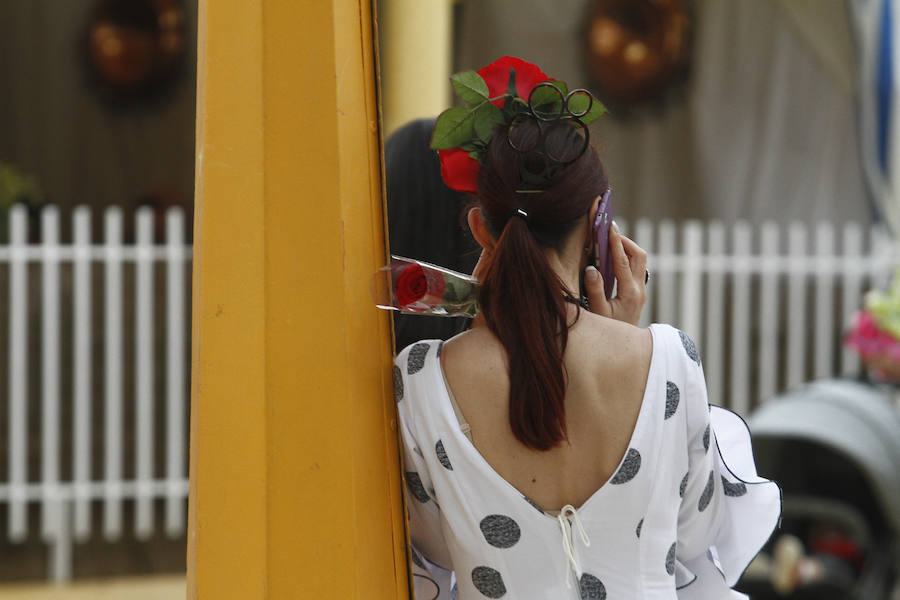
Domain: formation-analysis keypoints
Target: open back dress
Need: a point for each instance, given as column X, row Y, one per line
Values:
column 681, row 517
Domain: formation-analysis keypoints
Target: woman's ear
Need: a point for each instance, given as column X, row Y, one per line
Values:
column 479, row 229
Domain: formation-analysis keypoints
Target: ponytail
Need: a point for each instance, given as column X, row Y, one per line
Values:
column 521, row 296
column 522, row 300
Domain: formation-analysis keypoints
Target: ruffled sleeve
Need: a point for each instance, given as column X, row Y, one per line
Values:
column 727, row 511
column 430, row 558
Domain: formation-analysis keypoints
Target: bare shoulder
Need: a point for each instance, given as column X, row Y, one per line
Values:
column 609, row 354
column 475, row 365
column 475, row 350
column 622, row 340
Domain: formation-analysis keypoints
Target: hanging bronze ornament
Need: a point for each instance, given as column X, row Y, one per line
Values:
column 135, row 47
column 636, row 49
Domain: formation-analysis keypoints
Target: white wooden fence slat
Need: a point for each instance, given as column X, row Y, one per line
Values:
column 18, row 373
column 740, row 319
column 112, row 509
column 666, row 303
column 713, row 349
column 61, row 548
column 175, row 371
column 691, row 298
column 144, row 413
column 643, row 235
column 797, row 315
column 851, row 300
column 49, row 368
column 768, row 312
column 82, row 368
column 883, row 265
column 824, row 308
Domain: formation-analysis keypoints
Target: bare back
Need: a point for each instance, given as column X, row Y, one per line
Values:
column 607, row 363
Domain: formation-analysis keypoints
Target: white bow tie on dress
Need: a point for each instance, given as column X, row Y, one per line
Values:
column 566, row 517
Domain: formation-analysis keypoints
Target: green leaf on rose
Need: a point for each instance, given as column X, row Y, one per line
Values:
column 545, row 94
column 487, row 118
column 470, row 87
column 579, row 102
column 453, row 127
column 547, row 101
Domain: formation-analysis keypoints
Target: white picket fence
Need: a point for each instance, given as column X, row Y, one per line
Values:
column 766, row 305
column 65, row 504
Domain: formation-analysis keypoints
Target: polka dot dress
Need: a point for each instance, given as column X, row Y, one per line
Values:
column 680, row 518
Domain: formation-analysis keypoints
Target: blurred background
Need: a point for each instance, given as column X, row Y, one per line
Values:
column 751, row 150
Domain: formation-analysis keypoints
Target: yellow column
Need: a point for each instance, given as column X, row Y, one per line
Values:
column 417, row 57
column 295, row 488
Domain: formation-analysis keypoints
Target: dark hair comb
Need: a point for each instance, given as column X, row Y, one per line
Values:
column 548, row 107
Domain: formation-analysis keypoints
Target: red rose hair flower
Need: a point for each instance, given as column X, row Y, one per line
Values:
column 458, row 169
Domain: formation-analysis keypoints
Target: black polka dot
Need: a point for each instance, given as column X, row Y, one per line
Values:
column 415, row 487
column 706, row 439
column 630, row 467
column 416, row 359
column 442, row 455
column 454, row 591
column 398, row 384
column 439, row 348
column 670, row 559
column 488, row 581
column 591, row 588
column 707, row 494
column 672, row 397
column 637, row 531
column 683, row 486
column 528, row 500
column 417, row 560
column 689, row 347
column 733, row 489
column 500, row 531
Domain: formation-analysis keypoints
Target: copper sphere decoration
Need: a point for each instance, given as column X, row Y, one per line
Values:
column 134, row 46
column 636, row 48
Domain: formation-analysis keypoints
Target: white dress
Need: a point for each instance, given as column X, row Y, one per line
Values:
column 681, row 517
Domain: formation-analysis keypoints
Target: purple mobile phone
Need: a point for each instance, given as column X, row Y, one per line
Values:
column 602, row 255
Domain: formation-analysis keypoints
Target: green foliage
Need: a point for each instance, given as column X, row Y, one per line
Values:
column 470, row 87
column 18, row 188
column 579, row 102
column 453, row 128
column 487, row 118
column 548, row 101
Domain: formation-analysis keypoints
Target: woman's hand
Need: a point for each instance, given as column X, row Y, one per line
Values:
column 630, row 268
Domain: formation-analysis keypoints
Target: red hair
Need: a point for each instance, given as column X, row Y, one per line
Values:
column 521, row 296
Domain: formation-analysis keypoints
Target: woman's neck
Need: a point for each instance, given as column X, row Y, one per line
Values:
column 568, row 266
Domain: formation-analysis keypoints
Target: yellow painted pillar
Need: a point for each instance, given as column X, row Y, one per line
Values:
column 295, row 489
column 417, row 55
